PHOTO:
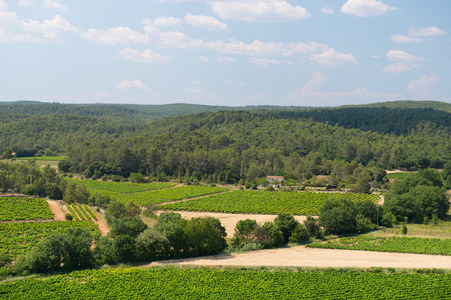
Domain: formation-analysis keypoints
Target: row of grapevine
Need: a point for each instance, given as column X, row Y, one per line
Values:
column 72, row 211
column 89, row 211
column 80, row 211
column 18, row 238
column 17, row 208
column 390, row 244
column 121, row 187
column 189, row 283
column 263, row 202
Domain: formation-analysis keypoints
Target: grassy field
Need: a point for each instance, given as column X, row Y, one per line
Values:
column 232, row 283
column 420, row 239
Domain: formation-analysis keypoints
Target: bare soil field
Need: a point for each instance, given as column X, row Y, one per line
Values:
column 322, row 258
column 56, row 210
column 229, row 220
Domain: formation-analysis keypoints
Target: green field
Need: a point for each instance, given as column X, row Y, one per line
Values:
column 229, row 283
column 121, row 187
column 263, row 202
column 167, row 195
column 390, row 244
column 18, row 208
column 46, row 158
column 18, row 238
column 399, row 175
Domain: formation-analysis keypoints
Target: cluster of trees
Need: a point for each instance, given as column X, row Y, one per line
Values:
column 419, row 196
column 129, row 240
column 285, row 229
column 28, row 179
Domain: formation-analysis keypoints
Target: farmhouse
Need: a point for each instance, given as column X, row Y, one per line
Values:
column 277, row 179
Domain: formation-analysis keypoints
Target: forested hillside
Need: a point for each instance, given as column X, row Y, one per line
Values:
column 228, row 146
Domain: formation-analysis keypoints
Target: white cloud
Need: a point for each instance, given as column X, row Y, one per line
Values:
column 226, row 59
column 114, row 36
column 327, row 10
column 426, row 31
column 365, row 8
column 147, row 56
column 332, row 58
column 400, row 67
column 13, row 29
column 206, row 22
column 134, row 84
column 259, row 10
column 167, row 21
column 398, row 38
column 3, row 5
column 308, row 94
column 54, row 4
column 317, row 80
column 203, row 58
column 25, row 3
column 414, row 34
column 264, row 61
column 420, row 88
column 401, row 56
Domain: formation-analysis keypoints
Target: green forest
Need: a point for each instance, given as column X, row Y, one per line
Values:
column 230, row 144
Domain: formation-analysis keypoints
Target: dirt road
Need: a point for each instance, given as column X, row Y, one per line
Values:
column 56, row 210
column 323, row 258
column 229, row 220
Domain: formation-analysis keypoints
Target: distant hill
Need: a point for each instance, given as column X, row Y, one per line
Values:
column 407, row 104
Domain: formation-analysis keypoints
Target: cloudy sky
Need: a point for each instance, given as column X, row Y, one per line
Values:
column 234, row 52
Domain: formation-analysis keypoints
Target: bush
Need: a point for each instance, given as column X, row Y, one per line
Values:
column 311, row 225
column 286, row 223
column 68, row 217
column 338, row 216
column 299, row 235
column 404, row 229
column 388, row 219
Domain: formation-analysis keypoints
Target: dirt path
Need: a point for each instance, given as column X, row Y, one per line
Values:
column 229, row 220
column 323, row 258
column 56, row 210
column 103, row 227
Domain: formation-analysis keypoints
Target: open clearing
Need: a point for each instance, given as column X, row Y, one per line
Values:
column 56, row 210
column 322, row 258
column 229, row 220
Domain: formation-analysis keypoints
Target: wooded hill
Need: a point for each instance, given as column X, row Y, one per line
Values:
column 230, row 145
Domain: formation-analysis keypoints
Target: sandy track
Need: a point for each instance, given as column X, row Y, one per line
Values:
column 323, row 258
column 229, row 220
column 56, row 210
column 103, row 227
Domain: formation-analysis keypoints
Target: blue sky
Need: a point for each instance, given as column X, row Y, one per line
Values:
column 247, row 52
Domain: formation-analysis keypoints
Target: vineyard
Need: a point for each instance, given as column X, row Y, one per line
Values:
column 80, row 211
column 390, row 244
column 262, row 202
column 121, row 187
column 18, row 238
column 189, row 283
column 16, row 208
column 166, row 195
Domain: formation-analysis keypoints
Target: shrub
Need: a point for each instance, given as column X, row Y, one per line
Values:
column 68, row 217
column 311, row 225
column 299, row 235
column 404, row 229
